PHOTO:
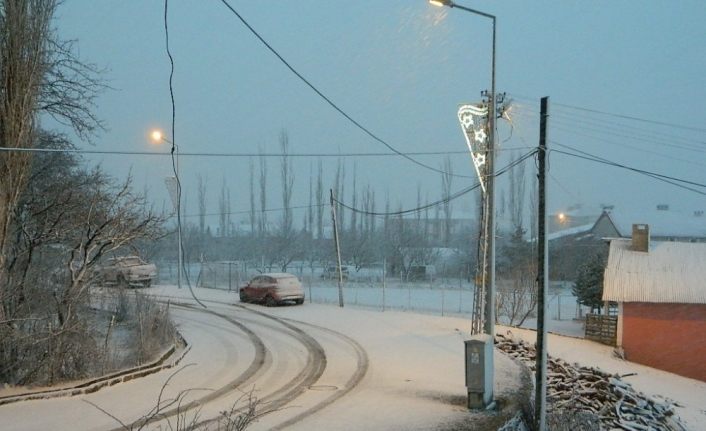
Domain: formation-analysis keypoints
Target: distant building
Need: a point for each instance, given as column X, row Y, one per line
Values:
column 665, row 224
column 660, row 288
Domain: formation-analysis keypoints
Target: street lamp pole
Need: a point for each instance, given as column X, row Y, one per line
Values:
column 158, row 136
column 489, row 324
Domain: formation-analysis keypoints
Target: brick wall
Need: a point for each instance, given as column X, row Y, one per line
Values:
column 671, row 337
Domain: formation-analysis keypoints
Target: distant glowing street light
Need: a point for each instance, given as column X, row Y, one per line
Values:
column 157, row 136
column 441, row 3
column 562, row 217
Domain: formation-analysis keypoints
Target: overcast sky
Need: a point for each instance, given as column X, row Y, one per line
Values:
column 400, row 68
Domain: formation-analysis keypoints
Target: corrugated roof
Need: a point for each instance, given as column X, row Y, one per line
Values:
column 672, row 272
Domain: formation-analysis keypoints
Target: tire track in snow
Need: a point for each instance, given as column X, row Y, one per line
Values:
column 256, row 367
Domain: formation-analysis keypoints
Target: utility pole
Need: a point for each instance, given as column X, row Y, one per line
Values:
column 489, row 326
column 338, row 250
column 540, row 397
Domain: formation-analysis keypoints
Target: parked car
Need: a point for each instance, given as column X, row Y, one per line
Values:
column 331, row 273
column 126, row 271
column 272, row 289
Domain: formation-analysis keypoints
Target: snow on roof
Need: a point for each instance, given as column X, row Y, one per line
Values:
column 570, row 231
column 279, row 274
column 671, row 272
column 663, row 223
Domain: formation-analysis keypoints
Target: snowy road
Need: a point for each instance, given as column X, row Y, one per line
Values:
column 302, row 362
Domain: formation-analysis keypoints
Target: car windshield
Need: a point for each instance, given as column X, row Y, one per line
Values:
column 131, row 261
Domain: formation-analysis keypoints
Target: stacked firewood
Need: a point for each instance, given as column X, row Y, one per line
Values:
column 612, row 400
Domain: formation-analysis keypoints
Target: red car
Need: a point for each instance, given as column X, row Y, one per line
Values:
column 272, row 289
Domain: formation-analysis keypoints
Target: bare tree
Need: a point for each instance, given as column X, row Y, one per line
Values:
column 223, row 211
column 517, row 195
column 253, row 217
column 446, row 179
column 320, row 202
column 354, row 203
column 287, row 176
column 38, row 73
column 262, row 230
column 201, row 196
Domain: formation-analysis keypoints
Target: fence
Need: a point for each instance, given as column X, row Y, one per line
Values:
column 602, row 328
column 445, row 296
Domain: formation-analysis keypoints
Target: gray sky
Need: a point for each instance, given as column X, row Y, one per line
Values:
column 400, row 68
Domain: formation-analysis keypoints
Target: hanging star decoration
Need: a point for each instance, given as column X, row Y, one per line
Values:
column 473, row 119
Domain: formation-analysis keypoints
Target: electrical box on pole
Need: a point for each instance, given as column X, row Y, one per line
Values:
column 479, row 370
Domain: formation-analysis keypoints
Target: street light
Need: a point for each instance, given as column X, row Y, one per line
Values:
column 489, row 324
column 158, row 137
column 489, row 312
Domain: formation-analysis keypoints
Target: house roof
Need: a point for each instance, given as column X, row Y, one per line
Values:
column 671, row 272
column 663, row 223
column 570, row 231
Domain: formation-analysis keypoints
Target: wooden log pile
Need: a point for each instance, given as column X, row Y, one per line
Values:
column 616, row 404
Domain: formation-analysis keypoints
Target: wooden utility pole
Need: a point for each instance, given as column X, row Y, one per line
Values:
column 338, row 250
column 540, row 397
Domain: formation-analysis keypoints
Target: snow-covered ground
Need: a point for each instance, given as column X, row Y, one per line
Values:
column 382, row 370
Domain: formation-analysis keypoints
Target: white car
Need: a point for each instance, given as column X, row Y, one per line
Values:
column 127, row 271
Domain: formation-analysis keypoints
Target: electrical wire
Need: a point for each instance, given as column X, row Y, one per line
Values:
column 331, row 102
column 174, row 146
column 444, row 200
column 678, row 182
column 202, row 154
column 613, row 114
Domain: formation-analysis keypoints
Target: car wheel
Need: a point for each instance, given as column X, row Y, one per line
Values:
column 270, row 301
column 299, row 301
column 243, row 298
column 147, row 283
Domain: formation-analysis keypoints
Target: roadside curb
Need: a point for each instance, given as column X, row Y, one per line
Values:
column 176, row 353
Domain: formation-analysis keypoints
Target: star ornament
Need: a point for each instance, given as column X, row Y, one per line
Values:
column 480, row 135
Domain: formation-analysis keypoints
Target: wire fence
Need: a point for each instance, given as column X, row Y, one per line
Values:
column 373, row 289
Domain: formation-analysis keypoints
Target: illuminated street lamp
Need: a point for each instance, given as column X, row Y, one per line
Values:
column 561, row 217
column 489, row 326
column 158, row 137
column 489, row 312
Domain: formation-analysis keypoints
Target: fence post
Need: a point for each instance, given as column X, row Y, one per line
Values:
column 384, row 273
column 409, row 296
column 230, row 284
column 442, row 301
column 558, row 300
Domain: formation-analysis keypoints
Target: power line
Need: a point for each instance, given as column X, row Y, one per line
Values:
column 225, row 154
column 329, row 101
column 613, row 114
column 622, row 130
column 299, row 207
column 449, row 198
column 678, row 182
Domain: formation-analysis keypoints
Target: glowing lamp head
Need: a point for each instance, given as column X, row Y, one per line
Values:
column 157, row 136
column 562, row 217
column 441, row 3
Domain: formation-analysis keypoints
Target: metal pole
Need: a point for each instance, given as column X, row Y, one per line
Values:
column 489, row 326
column 338, row 250
column 489, row 312
column 384, row 274
column 180, row 251
column 540, row 400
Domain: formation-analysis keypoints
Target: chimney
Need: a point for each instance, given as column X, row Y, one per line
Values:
column 641, row 237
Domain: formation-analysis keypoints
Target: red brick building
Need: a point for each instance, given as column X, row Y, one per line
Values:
column 660, row 289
